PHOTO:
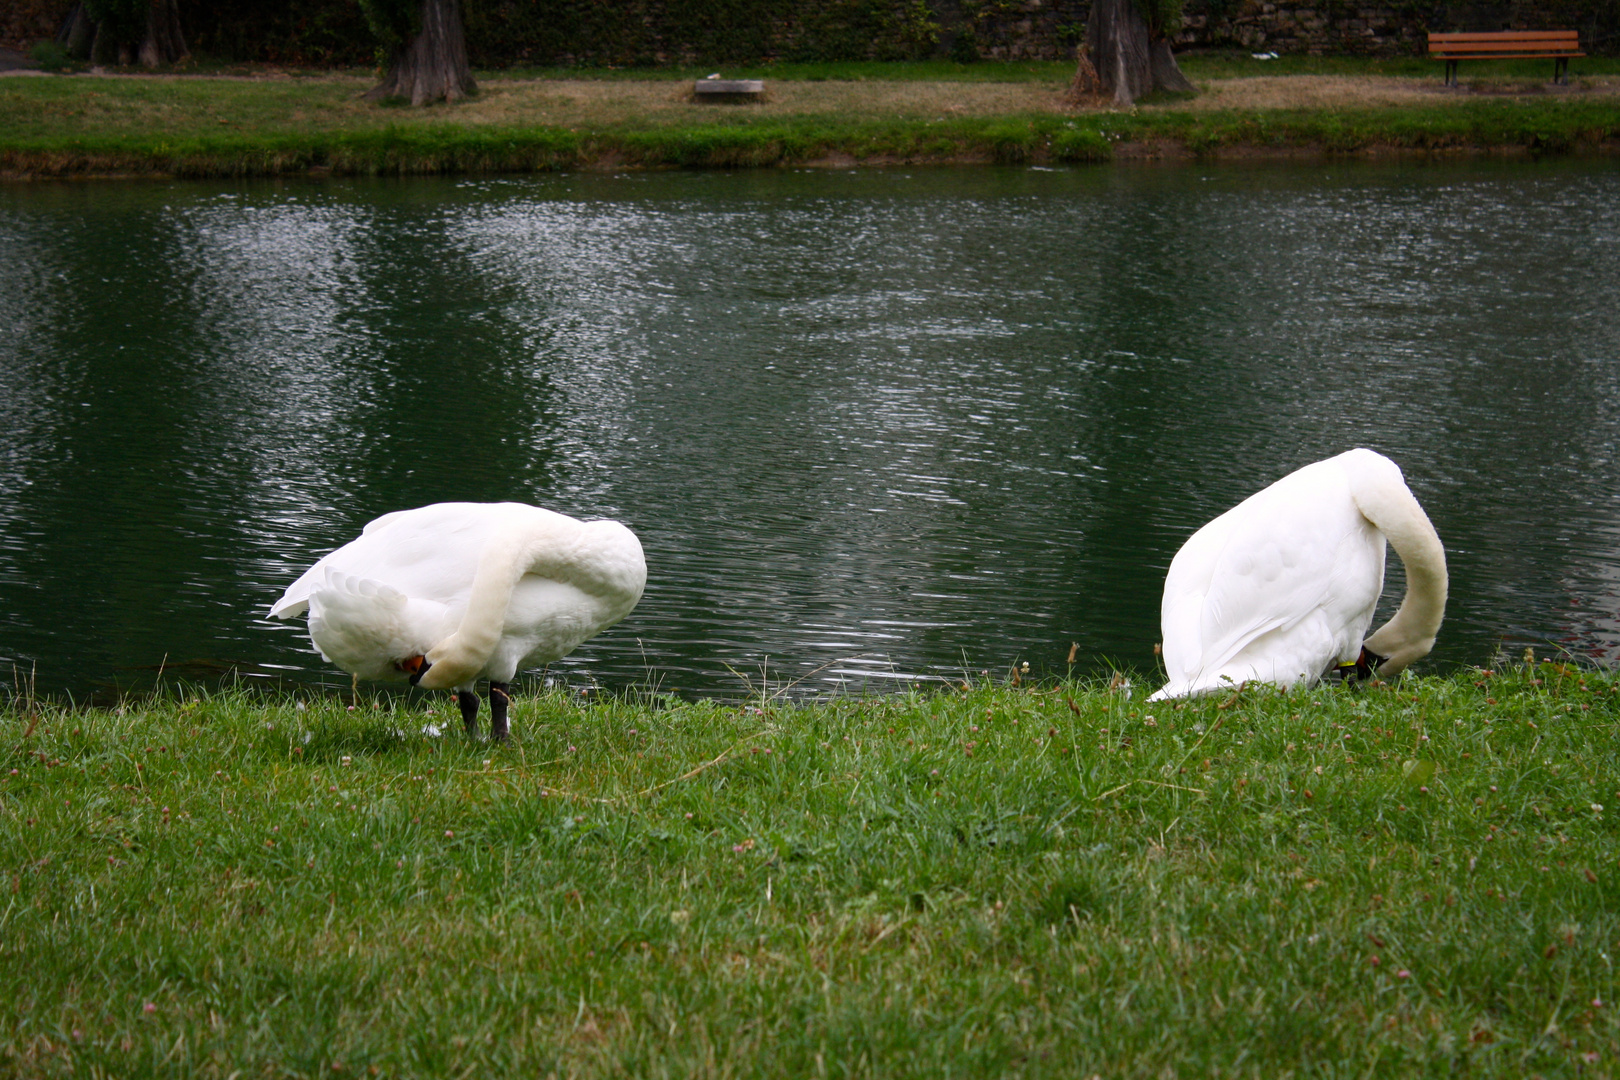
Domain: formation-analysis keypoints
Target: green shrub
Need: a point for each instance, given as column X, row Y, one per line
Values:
column 965, row 49
column 1083, row 145
column 50, row 56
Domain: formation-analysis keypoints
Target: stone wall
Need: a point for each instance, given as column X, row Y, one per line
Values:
column 1010, row 29
column 504, row 32
column 1304, row 27
column 1390, row 29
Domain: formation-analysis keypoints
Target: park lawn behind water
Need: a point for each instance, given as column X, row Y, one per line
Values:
column 281, row 123
column 982, row 880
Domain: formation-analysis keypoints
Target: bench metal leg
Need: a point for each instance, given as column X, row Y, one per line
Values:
column 1451, row 73
column 1561, row 70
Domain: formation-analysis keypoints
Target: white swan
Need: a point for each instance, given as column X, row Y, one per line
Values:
column 1282, row 587
column 446, row 594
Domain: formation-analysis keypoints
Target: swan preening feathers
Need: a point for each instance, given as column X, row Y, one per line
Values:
column 1281, row 588
column 444, row 595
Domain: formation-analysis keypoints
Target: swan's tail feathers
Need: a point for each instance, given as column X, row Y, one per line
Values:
column 361, row 625
column 289, row 606
column 295, row 601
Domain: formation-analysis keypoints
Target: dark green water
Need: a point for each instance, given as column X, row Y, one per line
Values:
column 869, row 425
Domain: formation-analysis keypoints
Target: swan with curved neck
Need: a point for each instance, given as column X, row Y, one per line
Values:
column 444, row 595
column 1281, row 588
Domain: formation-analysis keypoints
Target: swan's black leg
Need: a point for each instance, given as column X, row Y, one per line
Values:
column 468, row 700
column 498, row 697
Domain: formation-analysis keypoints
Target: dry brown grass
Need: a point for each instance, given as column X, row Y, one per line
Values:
column 1367, row 91
column 587, row 103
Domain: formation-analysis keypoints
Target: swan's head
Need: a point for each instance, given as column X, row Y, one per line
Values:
column 1393, row 655
column 444, row 675
column 451, row 663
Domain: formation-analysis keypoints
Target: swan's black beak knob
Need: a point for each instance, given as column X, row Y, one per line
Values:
column 415, row 666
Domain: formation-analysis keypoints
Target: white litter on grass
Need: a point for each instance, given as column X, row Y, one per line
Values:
column 1264, row 55
column 432, row 731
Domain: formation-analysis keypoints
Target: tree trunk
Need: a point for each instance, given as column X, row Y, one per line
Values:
column 433, row 64
column 1117, row 39
column 114, row 40
column 77, row 33
column 1129, row 62
column 1166, row 72
column 163, row 43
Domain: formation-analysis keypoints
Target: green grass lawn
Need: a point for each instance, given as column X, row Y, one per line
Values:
column 1053, row 880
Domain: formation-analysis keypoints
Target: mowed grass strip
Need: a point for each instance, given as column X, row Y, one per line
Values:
column 193, row 126
column 1415, row 879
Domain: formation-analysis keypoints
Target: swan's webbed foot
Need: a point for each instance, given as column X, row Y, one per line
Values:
column 468, row 700
column 499, row 696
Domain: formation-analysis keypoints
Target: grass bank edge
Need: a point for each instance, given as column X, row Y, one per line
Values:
column 1049, row 889
column 1534, row 127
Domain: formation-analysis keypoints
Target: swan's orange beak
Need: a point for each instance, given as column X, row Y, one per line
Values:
column 414, row 666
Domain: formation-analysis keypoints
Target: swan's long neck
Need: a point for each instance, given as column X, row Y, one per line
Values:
column 1386, row 501
column 459, row 658
column 560, row 549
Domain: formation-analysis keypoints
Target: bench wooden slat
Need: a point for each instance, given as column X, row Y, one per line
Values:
column 1493, row 47
column 1570, row 36
column 1493, row 54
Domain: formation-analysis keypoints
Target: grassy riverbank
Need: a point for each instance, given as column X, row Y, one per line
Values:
column 990, row 881
column 281, row 123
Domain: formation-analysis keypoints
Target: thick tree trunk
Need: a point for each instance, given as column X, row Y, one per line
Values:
column 77, row 33
column 1127, row 60
column 1117, row 39
column 163, row 43
column 433, row 65
column 113, row 41
column 1166, row 72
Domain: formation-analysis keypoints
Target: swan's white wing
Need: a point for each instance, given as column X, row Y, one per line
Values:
column 1273, row 589
column 367, row 627
column 393, row 549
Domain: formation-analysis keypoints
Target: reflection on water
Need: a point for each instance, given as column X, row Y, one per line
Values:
column 870, row 426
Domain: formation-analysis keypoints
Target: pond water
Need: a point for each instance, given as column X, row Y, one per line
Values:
column 871, row 426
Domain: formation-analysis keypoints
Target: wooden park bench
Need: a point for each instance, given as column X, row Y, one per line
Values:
column 1556, row 45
